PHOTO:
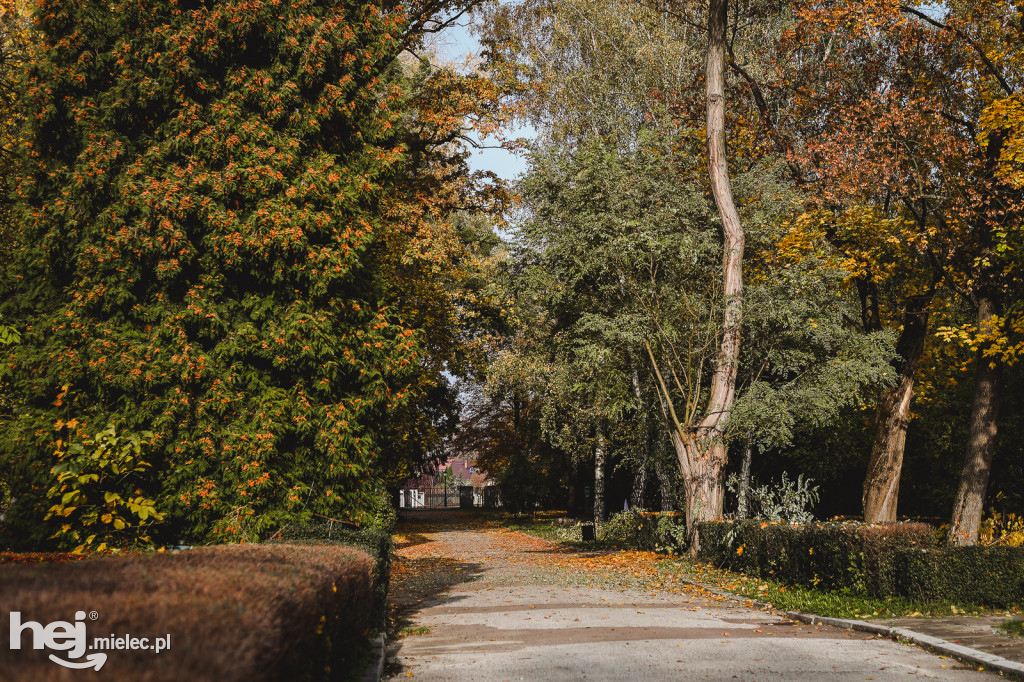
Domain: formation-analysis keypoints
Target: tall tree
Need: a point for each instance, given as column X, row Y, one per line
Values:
column 703, row 452
column 620, row 220
column 201, row 220
column 888, row 110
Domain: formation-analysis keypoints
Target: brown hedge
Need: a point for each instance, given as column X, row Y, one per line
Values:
column 237, row 612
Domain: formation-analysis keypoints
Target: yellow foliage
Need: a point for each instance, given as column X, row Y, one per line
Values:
column 1002, row 340
column 94, row 489
column 1006, row 115
column 872, row 244
column 1002, row 529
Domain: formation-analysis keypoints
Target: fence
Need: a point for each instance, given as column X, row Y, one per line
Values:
column 448, row 497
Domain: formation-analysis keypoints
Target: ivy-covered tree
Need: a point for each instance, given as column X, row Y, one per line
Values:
column 199, row 254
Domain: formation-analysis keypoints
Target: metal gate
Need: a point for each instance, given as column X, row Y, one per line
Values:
column 448, row 497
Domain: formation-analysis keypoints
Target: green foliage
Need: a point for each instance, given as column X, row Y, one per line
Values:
column 1013, row 627
column 838, row 603
column 783, row 501
column 98, row 498
column 830, row 555
column 9, row 336
column 617, row 274
column 202, row 200
column 646, row 531
column 880, row 560
column 981, row 575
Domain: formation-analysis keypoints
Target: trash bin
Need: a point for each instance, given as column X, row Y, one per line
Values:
column 589, row 532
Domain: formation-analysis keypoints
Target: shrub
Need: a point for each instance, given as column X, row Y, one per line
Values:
column 375, row 540
column 237, row 612
column 98, row 500
column 783, row 501
column 643, row 530
column 993, row 576
column 1002, row 529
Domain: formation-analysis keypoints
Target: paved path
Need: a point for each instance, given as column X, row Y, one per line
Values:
column 976, row 632
column 478, row 602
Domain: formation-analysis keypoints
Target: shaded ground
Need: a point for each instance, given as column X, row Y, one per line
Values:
column 474, row 601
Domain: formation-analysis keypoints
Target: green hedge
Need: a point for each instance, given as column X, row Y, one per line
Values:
column 881, row 560
column 992, row 576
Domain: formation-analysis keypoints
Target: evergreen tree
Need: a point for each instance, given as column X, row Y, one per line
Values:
column 205, row 183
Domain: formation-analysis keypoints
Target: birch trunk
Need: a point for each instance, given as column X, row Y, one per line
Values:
column 636, row 497
column 600, row 456
column 744, row 487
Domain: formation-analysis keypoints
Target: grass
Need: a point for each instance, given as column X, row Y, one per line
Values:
column 545, row 525
column 1014, row 628
column 422, row 630
column 833, row 603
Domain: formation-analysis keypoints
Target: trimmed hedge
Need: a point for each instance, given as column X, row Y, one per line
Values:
column 234, row 612
column 378, row 542
column 881, row 560
column 992, row 576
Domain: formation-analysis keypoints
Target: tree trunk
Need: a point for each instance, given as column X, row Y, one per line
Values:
column 600, row 456
column 668, row 502
column 882, row 483
column 981, row 439
column 701, row 447
column 636, row 497
column 704, row 478
column 705, row 454
column 744, row 487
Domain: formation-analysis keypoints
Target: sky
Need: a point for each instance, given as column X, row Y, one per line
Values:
column 458, row 45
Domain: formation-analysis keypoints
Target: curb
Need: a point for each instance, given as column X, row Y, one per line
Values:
column 375, row 669
column 963, row 653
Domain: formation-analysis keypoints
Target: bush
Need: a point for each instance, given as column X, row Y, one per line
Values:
column 877, row 559
column 376, row 540
column 881, row 560
column 97, row 496
column 646, row 531
column 993, row 576
column 237, row 612
column 783, row 501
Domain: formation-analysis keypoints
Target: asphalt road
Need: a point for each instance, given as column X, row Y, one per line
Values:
column 472, row 601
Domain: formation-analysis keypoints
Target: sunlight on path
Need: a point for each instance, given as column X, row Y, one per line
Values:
column 474, row 601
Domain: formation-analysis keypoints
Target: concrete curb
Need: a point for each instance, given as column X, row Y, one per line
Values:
column 963, row 653
column 375, row 669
